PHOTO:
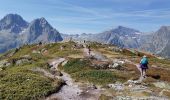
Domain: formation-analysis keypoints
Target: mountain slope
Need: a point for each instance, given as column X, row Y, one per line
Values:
column 159, row 42
column 120, row 36
column 41, row 30
column 15, row 31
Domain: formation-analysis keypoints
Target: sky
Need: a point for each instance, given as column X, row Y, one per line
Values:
column 92, row 16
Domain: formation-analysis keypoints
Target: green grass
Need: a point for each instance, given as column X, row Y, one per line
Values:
column 160, row 62
column 75, row 65
column 54, row 49
column 19, row 83
column 81, row 70
column 100, row 77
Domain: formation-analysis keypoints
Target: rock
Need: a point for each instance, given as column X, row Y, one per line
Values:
column 35, row 51
column 164, row 85
column 98, row 56
column 63, row 63
column 2, row 63
column 22, row 61
column 58, row 73
column 104, row 97
column 27, row 56
column 92, row 86
column 115, row 66
column 116, row 49
column 100, row 64
column 117, row 86
column 165, row 92
column 133, row 82
column 43, row 50
column 7, row 64
column 119, row 61
column 124, row 98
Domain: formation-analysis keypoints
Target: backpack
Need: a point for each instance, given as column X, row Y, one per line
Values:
column 144, row 61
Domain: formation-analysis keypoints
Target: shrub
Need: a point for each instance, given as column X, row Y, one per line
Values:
column 96, row 76
column 75, row 65
column 21, row 86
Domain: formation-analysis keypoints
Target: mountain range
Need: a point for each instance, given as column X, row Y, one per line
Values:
column 15, row 31
column 153, row 42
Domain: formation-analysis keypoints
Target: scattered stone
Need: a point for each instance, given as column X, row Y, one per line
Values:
column 22, row 61
column 117, row 49
column 98, row 56
column 104, row 97
column 35, row 51
column 2, row 63
column 58, row 73
column 124, row 98
column 7, row 64
column 27, row 56
column 165, row 92
column 62, row 47
column 164, row 85
column 115, row 66
column 117, row 86
column 63, row 63
column 92, row 86
column 100, row 64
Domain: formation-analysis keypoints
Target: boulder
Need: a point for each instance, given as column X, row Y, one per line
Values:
column 117, row 86
column 22, row 61
column 2, row 63
column 100, row 64
column 165, row 92
column 35, row 51
column 64, row 62
column 58, row 73
column 115, row 66
column 163, row 85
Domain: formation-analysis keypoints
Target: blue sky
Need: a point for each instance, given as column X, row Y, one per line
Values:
column 92, row 16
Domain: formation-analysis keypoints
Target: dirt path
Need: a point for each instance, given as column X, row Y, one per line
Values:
column 72, row 90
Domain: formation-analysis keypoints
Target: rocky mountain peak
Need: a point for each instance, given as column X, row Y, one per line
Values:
column 41, row 22
column 13, row 22
column 164, row 29
column 41, row 30
column 164, row 32
column 124, row 30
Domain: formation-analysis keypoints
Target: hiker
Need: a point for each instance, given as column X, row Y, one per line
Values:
column 89, row 50
column 144, row 65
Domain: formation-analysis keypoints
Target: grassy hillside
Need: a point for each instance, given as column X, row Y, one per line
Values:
column 19, row 81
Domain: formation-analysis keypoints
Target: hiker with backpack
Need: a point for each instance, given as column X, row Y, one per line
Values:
column 144, row 65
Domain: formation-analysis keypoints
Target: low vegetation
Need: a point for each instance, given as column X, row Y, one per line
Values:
column 81, row 70
column 19, row 82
